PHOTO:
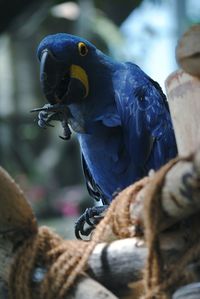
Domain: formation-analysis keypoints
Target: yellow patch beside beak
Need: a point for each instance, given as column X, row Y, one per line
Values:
column 79, row 73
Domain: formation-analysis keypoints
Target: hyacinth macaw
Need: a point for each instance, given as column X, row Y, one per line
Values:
column 120, row 115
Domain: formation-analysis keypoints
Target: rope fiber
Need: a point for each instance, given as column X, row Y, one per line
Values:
column 65, row 260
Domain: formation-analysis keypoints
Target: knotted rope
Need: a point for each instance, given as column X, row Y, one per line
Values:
column 64, row 261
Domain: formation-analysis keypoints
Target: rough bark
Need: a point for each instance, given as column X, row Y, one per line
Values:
column 118, row 263
column 87, row 288
column 179, row 195
column 188, row 51
column 183, row 96
column 15, row 212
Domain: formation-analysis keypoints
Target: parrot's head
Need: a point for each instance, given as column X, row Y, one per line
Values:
column 76, row 77
column 65, row 62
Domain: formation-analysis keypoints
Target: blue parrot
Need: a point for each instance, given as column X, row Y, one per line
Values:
column 120, row 115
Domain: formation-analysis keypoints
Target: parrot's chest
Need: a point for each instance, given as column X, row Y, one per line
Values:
column 107, row 158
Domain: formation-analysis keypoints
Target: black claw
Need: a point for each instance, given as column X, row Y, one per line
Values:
column 88, row 216
column 79, row 228
column 49, row 125
column 42, row 115
column 66, row 131
column 64, row 137
column 91, row 217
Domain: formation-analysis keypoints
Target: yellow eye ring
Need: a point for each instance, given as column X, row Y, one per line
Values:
column 82, row 48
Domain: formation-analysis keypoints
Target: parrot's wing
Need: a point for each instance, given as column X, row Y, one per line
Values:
column 160, row 91
column 93, row 188
column 149, row 135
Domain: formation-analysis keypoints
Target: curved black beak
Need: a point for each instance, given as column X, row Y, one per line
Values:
column 62, row 83
column 52, row 74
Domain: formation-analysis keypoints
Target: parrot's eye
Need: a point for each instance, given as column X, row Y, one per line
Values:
column 83, row 50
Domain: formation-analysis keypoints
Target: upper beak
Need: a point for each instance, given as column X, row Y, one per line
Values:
column 51, row 74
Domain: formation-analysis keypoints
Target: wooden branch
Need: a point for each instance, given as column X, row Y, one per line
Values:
column 188, row 51
column 183, row 96
column 118, row 263
column 16, row 221
column 84, row 288
column 15, row 213
column 87, row 288
column 179, row 195
column 190, row 291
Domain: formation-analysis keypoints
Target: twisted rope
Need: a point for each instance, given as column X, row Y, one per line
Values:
column 64, row 261
column 161, row 279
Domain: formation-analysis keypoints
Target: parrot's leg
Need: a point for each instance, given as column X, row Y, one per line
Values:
column 91, row 217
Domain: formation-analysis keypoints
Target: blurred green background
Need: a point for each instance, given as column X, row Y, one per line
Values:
column 47, row 168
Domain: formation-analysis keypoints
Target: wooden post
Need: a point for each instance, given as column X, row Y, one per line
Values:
column 183, row 92
column 188, row 51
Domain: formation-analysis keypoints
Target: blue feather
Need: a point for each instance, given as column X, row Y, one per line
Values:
column 128, row 128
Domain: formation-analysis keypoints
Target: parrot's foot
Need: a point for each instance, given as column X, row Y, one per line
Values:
column 44, row 119
column 90, row 217
column 55, row 112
